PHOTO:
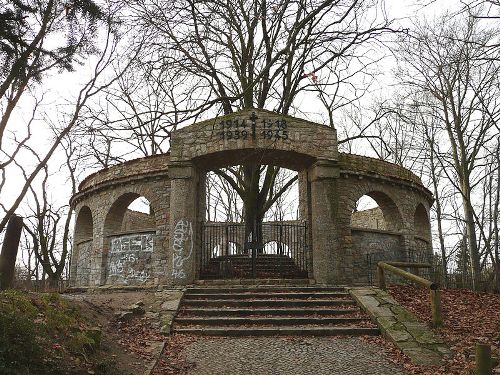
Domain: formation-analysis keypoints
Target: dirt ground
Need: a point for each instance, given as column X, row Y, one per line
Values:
column 129, row 346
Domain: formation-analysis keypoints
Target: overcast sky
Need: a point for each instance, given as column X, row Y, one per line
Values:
column 61, row 89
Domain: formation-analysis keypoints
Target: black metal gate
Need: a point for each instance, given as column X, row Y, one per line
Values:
column 281, row 252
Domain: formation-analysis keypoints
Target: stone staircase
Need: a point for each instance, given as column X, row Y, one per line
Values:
column 240, row 266
column 269, row 311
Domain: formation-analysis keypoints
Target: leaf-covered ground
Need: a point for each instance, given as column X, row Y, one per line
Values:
column 40, row 333
column 469, row 318
column 49, row 333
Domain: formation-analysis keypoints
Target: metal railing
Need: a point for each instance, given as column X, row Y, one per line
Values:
column 279, row 250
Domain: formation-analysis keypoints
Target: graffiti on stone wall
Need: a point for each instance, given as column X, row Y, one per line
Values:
column 83, row 263
column 182, row 247
column 129, row 259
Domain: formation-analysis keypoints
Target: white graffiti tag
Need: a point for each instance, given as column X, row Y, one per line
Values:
column 182, row 246
column 129, row 259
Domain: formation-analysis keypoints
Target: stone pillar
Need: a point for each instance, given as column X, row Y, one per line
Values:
column 327, row 267
column 100, row 250
column 73, row 262
column 303, row 195
column 183, row 222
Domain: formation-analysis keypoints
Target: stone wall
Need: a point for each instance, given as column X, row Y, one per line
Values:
column 398, row 200
column 114, row 246
column 279, row 140
column 372, row 218
column 130, row 259
column 137, row 221
column 382, row 245
column 107, row 200
column 132, row 168
column 375, row 167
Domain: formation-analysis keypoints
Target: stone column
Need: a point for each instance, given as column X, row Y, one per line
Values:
column 183, row 222
column 327, row 267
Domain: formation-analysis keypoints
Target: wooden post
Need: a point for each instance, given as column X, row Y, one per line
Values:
column 381, row 278
column 437, row 319
column 483, row 359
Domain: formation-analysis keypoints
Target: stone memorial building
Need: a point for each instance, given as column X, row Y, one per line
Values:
column 173, row 244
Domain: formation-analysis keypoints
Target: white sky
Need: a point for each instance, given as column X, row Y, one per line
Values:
column 62, row 88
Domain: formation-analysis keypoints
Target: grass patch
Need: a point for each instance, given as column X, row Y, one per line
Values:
column 41, row 333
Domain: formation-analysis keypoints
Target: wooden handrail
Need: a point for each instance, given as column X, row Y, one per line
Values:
column 435, row 293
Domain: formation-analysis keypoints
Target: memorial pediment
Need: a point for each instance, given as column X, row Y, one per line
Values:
column 254, row 135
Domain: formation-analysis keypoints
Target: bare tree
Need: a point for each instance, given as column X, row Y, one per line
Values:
column 29, row 47
column 447, row 62
column 260, row 54
column 90, row 89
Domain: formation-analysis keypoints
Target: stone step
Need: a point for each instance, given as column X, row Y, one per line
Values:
column 259, row 258
column 263, row 258
column 259, row 267
column 250, row 282
column 244, row 312
column 266, row 302
column 275, row 321
column 280, row 331
column 262, row 263
column 249, row 275
column 268, row 310
column 266, row 295
column 263, row 288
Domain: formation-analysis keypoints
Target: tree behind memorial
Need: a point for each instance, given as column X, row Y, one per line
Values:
column 257, row 54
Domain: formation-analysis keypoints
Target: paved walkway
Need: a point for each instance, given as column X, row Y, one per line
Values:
column 290, row 356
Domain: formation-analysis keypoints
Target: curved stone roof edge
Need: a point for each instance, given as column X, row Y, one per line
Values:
column 347, row 163
column 86, row 183
column 344, row 158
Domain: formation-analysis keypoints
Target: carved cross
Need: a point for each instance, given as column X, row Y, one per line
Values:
column 253, row 118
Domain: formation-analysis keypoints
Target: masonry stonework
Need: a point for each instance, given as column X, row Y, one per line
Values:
column 114, row 246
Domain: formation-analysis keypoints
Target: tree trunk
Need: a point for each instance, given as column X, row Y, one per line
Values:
column 472, row 242
column 439, row 215
column 253, row 230
column 253, row 206
column 9, row 251
column 496, row 244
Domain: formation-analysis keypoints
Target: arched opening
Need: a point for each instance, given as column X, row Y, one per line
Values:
column 276, row 248
column 367, row 214
column 129, row 213
column 84, row 229
column 421, row 222
column 228, row 235
column 130, row 229
column 232, row 249
column 376, row 210
column 375, row 224
column 84, row 226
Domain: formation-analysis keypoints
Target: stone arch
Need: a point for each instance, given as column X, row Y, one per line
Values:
column 113, row 222
column 84, row 225
column 128, row 251
column 391, row 213
column 226, row 248
column 421, row 222
column 276, row 247
column 83, row 242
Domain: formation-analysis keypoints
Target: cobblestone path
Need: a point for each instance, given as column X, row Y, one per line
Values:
column 288, row 356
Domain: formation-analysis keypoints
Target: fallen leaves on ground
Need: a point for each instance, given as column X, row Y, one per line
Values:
column 172, row 360
column 469, row 318
column 138, row 335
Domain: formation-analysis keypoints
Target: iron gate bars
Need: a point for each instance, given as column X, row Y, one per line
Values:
column 226, row 253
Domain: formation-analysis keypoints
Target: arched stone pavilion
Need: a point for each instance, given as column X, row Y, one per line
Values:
column 116, row 246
